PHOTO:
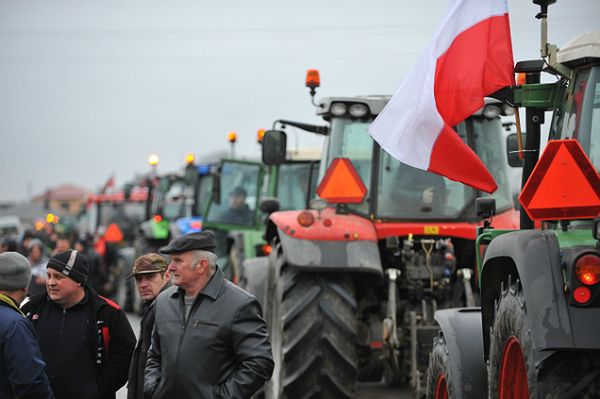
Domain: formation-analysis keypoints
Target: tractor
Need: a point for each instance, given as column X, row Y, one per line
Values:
column 352, row 283
column 536, row 333
column 233, row 211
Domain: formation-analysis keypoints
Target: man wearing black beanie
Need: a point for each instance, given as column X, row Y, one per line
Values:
column 85, row 339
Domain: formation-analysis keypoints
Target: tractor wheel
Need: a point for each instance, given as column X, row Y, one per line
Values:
column 439, row 383
column 511, row 368
column 313, row 334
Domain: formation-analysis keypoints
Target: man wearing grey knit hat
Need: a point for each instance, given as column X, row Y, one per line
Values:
column 86, row 339
column 22, row 369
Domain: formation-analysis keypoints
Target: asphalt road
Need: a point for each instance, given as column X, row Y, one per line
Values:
column 365, row 391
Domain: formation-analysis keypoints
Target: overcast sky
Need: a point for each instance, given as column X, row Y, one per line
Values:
column 92, row 88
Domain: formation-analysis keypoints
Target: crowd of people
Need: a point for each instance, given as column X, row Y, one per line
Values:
column 201, row 336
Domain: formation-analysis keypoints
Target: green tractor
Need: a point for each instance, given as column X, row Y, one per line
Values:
column 242, row 192
column 536, row 334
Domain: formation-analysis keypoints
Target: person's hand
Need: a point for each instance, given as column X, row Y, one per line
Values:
column 428, row 195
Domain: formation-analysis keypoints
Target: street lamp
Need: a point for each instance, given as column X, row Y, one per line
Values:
column 153, row 161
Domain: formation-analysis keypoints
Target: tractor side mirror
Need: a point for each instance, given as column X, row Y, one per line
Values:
column 512, row 150
column 216, row 188
column 274, row 147
column 191, row 175
column 127, row 191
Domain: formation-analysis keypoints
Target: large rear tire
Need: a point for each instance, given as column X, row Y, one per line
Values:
column 511, row 369
column 313, row 334
column 439, row 381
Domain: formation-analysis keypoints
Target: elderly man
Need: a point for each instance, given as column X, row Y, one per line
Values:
column 86, row 339
column 209, row 339
column 151, row 278
column 21, row 365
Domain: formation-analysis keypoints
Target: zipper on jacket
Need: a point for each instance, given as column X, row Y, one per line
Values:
column 183, row 328
column 62, row 323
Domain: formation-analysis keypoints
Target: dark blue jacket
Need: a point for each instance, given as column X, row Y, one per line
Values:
column 21, row 366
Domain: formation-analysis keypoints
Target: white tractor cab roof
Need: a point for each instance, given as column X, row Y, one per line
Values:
column 583, row 46
column 11, row 225
column 304, row 154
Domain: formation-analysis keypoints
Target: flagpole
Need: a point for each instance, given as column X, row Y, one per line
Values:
column 519, row 134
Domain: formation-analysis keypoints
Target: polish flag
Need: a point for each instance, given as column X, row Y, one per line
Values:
column 469, row 58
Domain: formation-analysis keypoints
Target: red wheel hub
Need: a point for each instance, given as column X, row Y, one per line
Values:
column 512, row 380
column 441, row 391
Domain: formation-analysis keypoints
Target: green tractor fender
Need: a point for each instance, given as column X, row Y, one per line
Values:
column 534, row 258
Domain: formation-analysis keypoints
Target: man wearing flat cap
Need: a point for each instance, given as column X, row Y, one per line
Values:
column 86, row 339
column 209, row 338
column 151, row 278
column 22, row 372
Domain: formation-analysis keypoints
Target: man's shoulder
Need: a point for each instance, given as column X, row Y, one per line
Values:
column 167, row 293
column 11, row 320
column 8, row 315
column 34, row 303
column 235, row 294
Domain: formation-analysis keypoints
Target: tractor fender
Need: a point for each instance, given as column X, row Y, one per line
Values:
column 462, row 332
column 534, row 257
column 320, row 255
column 334, row 242
column 254, row 279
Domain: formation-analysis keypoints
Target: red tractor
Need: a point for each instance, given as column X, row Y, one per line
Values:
column 351, row 287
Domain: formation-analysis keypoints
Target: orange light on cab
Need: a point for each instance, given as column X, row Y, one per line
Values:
column 260, row 135
column 521, row 76
column 232, row 137
column 190, row 158
column 157, row 218
column 313, row 79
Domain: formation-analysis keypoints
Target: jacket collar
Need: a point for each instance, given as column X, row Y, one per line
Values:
column 211, row 289
column 11, row 303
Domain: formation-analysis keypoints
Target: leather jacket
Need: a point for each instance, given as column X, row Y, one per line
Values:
column 221, row 350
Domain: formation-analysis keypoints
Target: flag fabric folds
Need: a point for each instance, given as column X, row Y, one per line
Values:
column 469, row 58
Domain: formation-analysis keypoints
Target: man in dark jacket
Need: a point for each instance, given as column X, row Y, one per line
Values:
column 209, row 339
column 151, row 278
column 21, row 365
column 238, row 212
column 86, row 339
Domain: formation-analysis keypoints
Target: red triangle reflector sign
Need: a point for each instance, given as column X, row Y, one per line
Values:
column 563, row 185
column 342, row 183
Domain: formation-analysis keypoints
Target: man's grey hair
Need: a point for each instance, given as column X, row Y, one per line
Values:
column 198, row 254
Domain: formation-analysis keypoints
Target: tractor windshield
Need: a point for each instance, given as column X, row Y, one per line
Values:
column 239, row 184
column 203, row 190
column 404, row 192
column 578, row 115
column 350, row 139
column 174, row 201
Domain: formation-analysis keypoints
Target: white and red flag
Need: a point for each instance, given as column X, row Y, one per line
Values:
column 469, row 58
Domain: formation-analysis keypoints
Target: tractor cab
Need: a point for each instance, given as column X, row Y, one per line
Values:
column 401, row 192
column 577, row 115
